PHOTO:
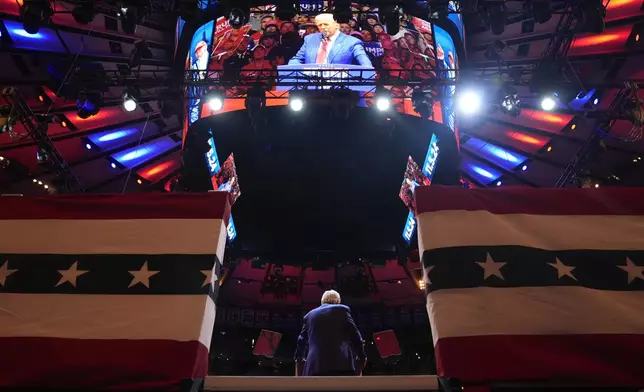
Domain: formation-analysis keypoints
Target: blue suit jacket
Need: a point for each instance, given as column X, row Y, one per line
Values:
column 345, row 50
column 329, row 341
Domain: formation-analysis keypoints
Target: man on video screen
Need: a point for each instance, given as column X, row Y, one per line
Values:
column 330, row 46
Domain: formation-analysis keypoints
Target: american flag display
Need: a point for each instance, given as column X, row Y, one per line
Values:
column 535, row 285
column 108, row 291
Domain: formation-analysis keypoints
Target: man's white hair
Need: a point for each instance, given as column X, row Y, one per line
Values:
column 324, row 16
column 331, row 297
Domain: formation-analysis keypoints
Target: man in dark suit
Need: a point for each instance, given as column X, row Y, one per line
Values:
column 330, row 46
column 330, row 341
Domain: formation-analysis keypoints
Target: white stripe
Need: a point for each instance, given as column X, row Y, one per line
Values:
column 551, row 310
column 443, row 229
column 135, row 236
column 168, row 317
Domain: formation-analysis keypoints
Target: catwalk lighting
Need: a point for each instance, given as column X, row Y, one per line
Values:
column 84, row 13
column 296, row 103
column 215, row 100
column 383, row 100
column 469, row 102
column 342, row 11
column 498, row 16
column 34, row 14
column 131, row 97
column 548, row 103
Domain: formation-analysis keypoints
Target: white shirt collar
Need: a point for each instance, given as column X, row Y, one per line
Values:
column 334, row 36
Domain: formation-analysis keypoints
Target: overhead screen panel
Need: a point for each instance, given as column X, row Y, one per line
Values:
column 419, row 51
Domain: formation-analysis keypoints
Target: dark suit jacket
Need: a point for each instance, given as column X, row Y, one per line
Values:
column 345, row 50
column 329, row 341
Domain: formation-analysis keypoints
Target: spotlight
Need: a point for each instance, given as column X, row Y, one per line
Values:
column 497, row 14
column 383, row 99
column 35, row 14
column 131, row 97
column 524, row 167
column 42, row 157
column 296, row 103
column 499, row 183
column 469, row 102
column 342, row 11
column 7, row 120
column 88, row 146
column 113, row 165
column 215, row 100
column 84, row 13
column 549, row 149
column 139, row 181
column 4, row 163
column 88, row 104
column 510, row 103
column 239, row 15
column 548, row 103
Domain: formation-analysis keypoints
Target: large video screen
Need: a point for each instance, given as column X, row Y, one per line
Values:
column 418, row 51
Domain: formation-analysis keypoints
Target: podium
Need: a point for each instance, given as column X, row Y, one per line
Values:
column 326, row 76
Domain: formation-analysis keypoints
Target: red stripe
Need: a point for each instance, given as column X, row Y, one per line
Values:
column 597, row 359
column 211, row 205
column 99, row 364
column 543, row 201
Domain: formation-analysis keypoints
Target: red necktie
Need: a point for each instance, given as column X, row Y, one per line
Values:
column 321, row 57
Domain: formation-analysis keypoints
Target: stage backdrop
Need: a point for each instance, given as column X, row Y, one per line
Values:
column 419, row 51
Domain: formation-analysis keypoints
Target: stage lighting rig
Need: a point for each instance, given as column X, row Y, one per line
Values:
column 34, row 14
column 510, row 102
column 423, row 103
column 215, row 100
column 42, row 155
column 84, row 13
column 342, row 11
column 131, row 97
column 296, row 101
column 255, row 100
column 383, row 99
column 548, row 102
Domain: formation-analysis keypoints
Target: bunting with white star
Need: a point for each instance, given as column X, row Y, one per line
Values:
column 543, row 285
column 125, row 283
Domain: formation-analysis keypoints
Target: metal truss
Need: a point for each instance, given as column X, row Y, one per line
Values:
column 314, row 79
column 37, row 130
